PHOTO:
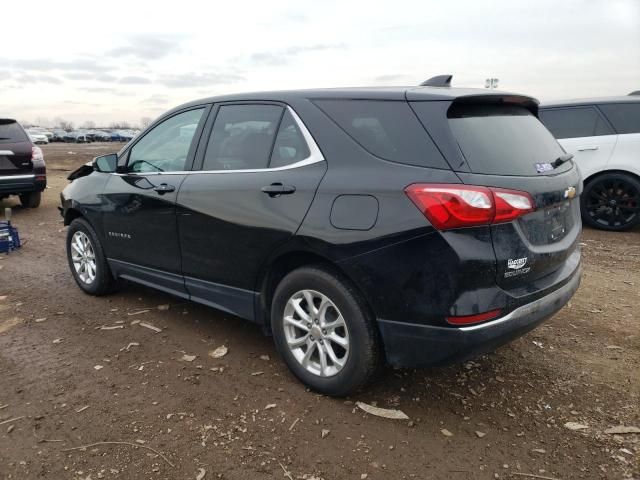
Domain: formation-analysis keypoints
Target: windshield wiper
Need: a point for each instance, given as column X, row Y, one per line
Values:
column 562, row 159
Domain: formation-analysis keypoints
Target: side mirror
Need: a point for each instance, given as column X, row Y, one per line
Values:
column 106, row 163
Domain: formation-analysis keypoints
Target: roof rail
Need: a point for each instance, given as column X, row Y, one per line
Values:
column 438, row 81
column 637, row 92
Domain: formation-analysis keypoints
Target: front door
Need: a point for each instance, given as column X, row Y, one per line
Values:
column 139, row 219
column 259, row 175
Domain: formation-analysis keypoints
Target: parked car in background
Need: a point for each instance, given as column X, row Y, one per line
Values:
column 58, row 135
column 22, row 168
column 357, row 225
column 103, row 136
column 603, row 134
column 76, row 137
column 37, row 137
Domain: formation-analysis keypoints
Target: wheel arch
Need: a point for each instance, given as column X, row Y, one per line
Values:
column 599, row 173
column 283, row 264
column 71, row 214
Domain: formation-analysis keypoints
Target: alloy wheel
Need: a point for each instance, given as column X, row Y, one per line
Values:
column 83, row 257
column 316, row 333
column 613, row 203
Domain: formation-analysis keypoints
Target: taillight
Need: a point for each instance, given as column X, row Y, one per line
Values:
column 449, row 206
column 37, row 157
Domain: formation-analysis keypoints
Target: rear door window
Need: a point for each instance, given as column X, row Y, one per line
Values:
column 503, row 140
column 243, row 137
column 625, row 117
column 11, row 132
column 574, row 122
column 387, row 129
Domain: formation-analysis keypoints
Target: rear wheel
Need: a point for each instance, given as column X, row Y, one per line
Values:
column 324, row 332
column 86, row 259
column 31, row 199
column 611, row 202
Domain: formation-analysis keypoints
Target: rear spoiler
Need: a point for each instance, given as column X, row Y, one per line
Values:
column 529, row 103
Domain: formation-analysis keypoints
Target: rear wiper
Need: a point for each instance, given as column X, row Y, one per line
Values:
column 562, row 159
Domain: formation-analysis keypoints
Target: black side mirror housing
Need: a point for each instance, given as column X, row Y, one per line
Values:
column 106, row 163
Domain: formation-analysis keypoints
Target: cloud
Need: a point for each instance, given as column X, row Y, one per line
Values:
column 79, row 76
column 4, row 75
column 134, row 80
column 148, row 46
column 393, row 77
column 29, row 78
column 156, row 100
column 105, row 77
column 284, row 56
column 46, row 65
column 108, row 90
column 187, row 80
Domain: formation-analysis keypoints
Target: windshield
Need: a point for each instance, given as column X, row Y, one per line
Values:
column 504, row 140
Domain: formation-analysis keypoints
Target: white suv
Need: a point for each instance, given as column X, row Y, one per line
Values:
column 603, row 134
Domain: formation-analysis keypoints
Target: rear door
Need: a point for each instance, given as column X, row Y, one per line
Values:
column 15, row 149
column 625, row 118
column 259, row 173
column 585, row 133
column 504, row 145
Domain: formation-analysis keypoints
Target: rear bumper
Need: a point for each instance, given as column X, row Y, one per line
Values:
column 413, row 345
column 15, row 184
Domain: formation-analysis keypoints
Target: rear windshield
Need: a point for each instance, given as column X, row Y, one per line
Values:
column 387, row 129
column 504, row 140
column 11, row 132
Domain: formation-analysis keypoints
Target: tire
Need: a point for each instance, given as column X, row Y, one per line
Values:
column 611, row 202
column 102, row 281
column 31, row 199
column 356, row 365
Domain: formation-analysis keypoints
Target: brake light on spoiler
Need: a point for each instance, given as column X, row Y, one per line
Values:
column 449, row 206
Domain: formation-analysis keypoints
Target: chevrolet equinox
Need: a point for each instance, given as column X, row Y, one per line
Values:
column 415, row 226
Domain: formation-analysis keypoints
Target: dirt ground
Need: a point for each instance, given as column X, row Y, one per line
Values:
column 66, row 382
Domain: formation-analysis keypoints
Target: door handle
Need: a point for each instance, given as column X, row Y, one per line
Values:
column 583, row 149
column 164, row 188
column 277, row 189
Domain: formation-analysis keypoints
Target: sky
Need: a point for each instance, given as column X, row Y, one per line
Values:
column 121, row 61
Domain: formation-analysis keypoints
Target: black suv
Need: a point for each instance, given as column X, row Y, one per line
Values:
column 418, row 226
column 22, row 168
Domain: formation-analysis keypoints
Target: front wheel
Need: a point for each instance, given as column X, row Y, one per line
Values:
column 87, row 262
column 611, row 202
column 31, row 199
column 324, row 331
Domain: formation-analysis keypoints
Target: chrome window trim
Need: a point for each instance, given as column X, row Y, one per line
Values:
column 315, row 156
column 16, row 177
column 6, row 152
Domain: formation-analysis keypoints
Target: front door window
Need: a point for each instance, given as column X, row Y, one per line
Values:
column 165, row 148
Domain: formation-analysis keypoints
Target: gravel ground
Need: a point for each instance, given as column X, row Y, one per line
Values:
column 77, row 370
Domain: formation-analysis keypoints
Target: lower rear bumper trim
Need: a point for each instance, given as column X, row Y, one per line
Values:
column 416, row 345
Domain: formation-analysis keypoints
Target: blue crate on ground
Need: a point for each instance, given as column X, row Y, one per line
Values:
column 9, row 238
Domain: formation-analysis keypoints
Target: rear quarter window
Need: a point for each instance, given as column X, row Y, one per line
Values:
column 11, row 132
column 387, row 129
column 625, row 117
column 574, row 122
